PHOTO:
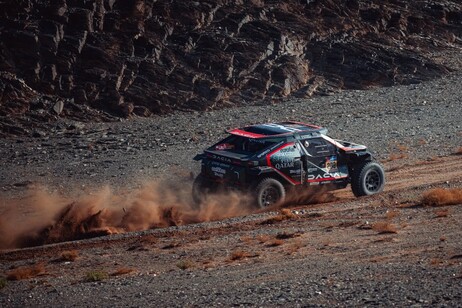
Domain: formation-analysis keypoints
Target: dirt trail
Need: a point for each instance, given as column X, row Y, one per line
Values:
column 401, row 176
column 425, row 173
column 404, row 175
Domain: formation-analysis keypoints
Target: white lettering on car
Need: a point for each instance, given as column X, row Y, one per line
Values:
column 226, row 159
column 335, row 175
column 218, row 170
column 284, row 165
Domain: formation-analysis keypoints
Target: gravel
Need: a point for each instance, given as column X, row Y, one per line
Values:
column 263, row 285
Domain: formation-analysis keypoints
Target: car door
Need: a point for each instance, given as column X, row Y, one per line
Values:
column 321, row 160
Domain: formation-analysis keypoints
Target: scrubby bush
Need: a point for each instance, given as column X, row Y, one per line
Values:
column 442, row 196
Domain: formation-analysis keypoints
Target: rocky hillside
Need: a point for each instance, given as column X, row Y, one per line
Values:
column 93, row 59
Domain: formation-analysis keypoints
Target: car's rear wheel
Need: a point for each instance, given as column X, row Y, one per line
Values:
column 269, row 192
column 367, row 178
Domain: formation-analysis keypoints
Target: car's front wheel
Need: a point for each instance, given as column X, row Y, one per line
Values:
column 269, row 191
column 367, row 178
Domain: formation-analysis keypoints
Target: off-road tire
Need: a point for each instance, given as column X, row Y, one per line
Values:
column 269, row 192
column 367, row 178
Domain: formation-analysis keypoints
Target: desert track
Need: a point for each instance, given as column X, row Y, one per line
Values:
column 424, row 173
column 401, row 177
column 404, row 180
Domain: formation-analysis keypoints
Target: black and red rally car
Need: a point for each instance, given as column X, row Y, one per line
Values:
column 269, row 159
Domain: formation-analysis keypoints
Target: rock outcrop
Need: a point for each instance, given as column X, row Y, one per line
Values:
column 146, row 57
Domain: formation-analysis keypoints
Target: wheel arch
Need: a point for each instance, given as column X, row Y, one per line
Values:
column 357, row 157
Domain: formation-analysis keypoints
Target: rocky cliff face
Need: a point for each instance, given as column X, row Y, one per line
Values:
column 80, row 57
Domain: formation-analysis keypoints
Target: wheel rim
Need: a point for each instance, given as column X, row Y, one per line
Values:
column 270, row 196
column 373, row 181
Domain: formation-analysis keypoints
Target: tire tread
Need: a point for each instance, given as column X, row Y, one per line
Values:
column 358, row 174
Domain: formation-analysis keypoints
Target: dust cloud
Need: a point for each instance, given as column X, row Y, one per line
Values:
column 42, row 217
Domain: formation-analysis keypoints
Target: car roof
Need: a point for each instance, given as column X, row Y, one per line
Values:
column 276, row 129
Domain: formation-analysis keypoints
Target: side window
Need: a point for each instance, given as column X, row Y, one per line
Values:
column 318, row 147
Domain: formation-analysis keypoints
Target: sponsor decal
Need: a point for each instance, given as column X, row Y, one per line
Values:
column 270, row 149
column 270, row 161
column 257, row 140
column 224, row 146
column 222, row 158
column 331, row 164
column 284, row 165
column 289, row 151
column 263, row 153
column 284, row 158
column 327, row 175
column 222, row 165
column 218, row 170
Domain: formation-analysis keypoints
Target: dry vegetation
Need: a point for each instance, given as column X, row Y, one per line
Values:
column 384, row 227
column 402, row 147
column 171, row 245
column 185, row 264
column 287, row 235
column 263, row 238
column 436, row 262
column 94, row 276
column 239, row 255
column 275, row 242
column 294, row 246
column 442, row 196
column 26, row 272
column 284, row 214
column 246, row 239
column 392, row 214
column 441, row 213
column 3, row 282
column 278, row 239
column 398, row 152
column 69, row 256
column 122, row 271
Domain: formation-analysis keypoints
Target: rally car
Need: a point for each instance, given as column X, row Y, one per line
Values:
column 268, row 160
